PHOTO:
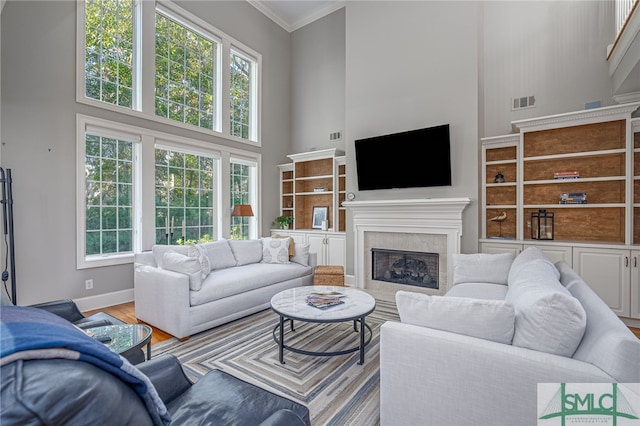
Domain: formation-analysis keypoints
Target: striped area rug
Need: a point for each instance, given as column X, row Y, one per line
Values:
column 336, row 389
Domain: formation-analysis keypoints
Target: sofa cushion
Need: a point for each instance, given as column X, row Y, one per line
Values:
column 242, row 279
column 548, row 318
column 292, row 249
column 275, row 250
column 190, row 266
column 220, row 254
column 301, row 255
column 486, row 291
column 246, row 251
column 485, row 319
column 526, row 256
column 159, row 250
column 481, row 267
column 607, row 342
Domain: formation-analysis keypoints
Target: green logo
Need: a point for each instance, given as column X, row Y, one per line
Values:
column 590, row 405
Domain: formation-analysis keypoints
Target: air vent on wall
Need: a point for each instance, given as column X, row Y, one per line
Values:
column 523, row 102
column 335, row 136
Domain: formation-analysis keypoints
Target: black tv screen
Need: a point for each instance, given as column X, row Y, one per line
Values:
column 416, row 158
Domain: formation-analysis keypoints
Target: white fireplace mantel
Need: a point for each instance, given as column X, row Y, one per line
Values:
column 438, row 216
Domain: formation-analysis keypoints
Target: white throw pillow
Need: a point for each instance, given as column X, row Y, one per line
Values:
column 481, row 318
column 159, row 250
column 246, row 251
column 481, row 268
column 301, row 255
column 548, row 318
column 526, row 256
column 197, row 251
column 275, row 250
column 219, row 254
column 185, row 265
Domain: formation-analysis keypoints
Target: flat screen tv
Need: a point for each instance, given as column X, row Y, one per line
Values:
column 416, row 158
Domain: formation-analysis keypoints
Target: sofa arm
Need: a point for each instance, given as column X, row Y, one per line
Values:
column 433, row 377
column 65, row 308
column 167, row 376
column 162, row 299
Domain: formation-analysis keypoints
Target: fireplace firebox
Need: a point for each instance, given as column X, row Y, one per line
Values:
column 405, row 267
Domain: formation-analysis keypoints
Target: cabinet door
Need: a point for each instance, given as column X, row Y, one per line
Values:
column 497, row 248
column 317, row 245
column 555, row 253
column 607, row 272
column 336, row 250
column 635, row 284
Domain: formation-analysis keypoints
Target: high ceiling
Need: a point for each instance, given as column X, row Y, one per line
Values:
column 294, row 14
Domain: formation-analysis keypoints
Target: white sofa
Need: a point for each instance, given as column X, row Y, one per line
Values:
column 476, row 355
column 184, row 290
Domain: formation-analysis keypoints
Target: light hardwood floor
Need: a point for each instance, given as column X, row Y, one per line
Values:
column 126, row 312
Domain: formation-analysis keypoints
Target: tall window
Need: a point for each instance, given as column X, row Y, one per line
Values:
column 109, row 35
column 191, row 81
column 184, row 197
column 241, row 96
column 185, row 74
column 108, row 196
column 242, row 191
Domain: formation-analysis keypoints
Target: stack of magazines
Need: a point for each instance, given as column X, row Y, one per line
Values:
column 325, row 300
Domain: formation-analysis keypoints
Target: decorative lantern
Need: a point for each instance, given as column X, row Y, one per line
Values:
column 542, row 225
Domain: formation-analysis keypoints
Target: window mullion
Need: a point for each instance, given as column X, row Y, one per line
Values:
column 224, row 79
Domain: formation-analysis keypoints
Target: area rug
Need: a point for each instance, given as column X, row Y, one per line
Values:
column 336, row 389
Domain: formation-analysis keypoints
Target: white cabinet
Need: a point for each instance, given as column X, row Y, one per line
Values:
column 330, row 247
column 553, row 252
column 608, row 272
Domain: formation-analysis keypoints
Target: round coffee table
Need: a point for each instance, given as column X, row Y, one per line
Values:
column 292, row 305
column 124, row 338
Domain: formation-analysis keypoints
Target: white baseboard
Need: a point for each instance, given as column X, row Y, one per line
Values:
column 631, row 322
column 109, row 299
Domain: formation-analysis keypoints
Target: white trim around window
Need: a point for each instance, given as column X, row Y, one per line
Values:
column 146, row 141
column 144, row 71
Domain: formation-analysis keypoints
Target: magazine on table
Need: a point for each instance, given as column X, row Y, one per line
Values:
column 325, row 300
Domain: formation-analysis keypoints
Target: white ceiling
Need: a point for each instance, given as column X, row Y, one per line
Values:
column 294, row 14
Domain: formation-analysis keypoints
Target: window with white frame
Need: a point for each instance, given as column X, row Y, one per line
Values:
column 185, row 210
column 242, row 94
column 109, row 53
column 188, row 89
column 138, row 187
column 243, row 191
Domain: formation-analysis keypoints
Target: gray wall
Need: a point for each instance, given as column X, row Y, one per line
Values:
column 39, row 142
column 318, row 83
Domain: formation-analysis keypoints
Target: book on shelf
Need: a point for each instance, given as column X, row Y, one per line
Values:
column 325, row 300
column 573, row 198
column 574, row 174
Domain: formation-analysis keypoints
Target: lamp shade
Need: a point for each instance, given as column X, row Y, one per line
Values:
column 242, row 210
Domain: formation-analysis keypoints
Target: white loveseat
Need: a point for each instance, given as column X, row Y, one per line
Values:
column 183, row 290
column 476, row 355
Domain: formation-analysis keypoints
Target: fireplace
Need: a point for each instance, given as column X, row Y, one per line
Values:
column 432, row 225
column 406, row 267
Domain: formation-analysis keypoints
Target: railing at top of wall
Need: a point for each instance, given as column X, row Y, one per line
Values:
column 624, row 9
column 623, row 12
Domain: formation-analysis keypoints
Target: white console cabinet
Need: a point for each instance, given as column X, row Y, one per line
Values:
column 330, row 247
column 553, row 252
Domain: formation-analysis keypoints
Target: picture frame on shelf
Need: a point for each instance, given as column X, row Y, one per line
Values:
column 319, row 216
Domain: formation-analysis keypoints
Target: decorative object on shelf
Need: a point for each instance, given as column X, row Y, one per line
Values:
column 499, row 177
column 542, row 227
column 573, row 198
column 319, row 215
column 319, row 189
column 574, row 174
column 283, row 222
column 500, row 218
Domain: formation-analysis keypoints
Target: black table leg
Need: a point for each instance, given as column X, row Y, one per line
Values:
column 361, row 341
column 281, row 344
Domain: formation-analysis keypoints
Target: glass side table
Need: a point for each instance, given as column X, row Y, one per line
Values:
column 123, row 338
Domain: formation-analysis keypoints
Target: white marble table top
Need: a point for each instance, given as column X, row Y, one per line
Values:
column 291, row 303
